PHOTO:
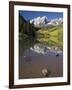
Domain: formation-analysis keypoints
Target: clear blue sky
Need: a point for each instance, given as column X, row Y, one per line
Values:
column 28, row 15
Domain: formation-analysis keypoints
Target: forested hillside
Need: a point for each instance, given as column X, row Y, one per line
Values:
column 25, row 28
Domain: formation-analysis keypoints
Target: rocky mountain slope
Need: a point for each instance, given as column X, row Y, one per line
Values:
column 44, row 21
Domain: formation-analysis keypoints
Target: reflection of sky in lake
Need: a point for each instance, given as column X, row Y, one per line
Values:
column 36, row 58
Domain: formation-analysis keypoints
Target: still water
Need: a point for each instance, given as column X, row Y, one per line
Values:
column 34, row 57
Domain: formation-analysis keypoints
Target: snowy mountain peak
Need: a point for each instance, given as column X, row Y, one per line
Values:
column 44, row 21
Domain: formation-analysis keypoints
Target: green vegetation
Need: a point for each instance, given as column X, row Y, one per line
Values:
column 28, row 34
column 26, row 30
column 52, row 36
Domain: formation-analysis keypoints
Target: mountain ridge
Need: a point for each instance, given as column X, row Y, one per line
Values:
column 44, row 21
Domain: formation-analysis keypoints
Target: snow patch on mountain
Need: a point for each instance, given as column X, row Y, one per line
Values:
column 44, row 21
column 39, row 21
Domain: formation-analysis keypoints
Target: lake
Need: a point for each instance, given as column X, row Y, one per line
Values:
column 35, row 56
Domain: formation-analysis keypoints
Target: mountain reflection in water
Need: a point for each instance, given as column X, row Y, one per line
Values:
column 42, row 49
column 36, row 58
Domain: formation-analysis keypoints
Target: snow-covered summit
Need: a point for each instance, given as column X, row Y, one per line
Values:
column 44, row 21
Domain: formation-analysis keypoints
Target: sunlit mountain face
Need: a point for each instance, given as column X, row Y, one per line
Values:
column 44, row 21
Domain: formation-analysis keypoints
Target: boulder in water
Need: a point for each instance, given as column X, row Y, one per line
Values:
column 45, row 72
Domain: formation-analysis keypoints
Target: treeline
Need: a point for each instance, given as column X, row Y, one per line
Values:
column 25, row 28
